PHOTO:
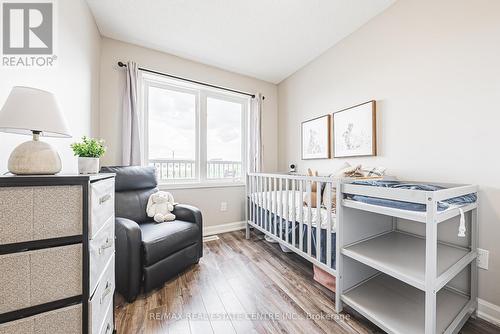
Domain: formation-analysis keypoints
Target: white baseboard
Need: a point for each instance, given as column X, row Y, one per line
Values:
column 223, row 228
column 488, row 311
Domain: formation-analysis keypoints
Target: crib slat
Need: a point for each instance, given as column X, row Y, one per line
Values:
column 256, row 185
column 257, row 202
column 249, row 199
column 268, row 198
column 268, row 203
column 294, row 213
column 287, row 209
column 301, row 216
column 329, row 224
column 275, row 203
column 261, row 214
column 256, row 199
column 272, row 212
column 318, row 221
column 247, row 194
column 264, row 205
column 264, row 195
column 309, row 217
column 271, row 203
column 252, row 192
column 280, row 205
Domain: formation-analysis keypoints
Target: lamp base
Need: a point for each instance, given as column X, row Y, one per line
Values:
column 34, row 157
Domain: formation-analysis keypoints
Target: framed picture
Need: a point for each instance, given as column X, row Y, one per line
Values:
column 316, row 138
column 354, row 131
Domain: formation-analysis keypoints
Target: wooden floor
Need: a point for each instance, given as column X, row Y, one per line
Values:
column 246, row 286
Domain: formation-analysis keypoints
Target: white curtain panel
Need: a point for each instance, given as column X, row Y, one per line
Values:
column 255, row 135
column 131, row 138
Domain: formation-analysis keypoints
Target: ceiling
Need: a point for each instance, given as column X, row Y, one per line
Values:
column 265, row 39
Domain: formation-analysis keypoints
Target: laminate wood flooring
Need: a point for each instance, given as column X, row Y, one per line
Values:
column 247, row 286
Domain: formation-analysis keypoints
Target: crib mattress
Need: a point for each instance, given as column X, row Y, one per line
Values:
column 266, row 200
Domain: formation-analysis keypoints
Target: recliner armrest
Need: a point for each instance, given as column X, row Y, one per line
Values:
column 193, row 215
column 188, row 213
column 128, row 257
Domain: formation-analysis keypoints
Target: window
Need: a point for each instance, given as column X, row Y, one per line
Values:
column 193, row 134
column 224, row 138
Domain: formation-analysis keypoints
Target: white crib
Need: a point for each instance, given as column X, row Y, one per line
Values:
column 275, row 206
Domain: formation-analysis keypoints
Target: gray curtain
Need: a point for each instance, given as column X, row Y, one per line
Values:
column 131, row 129
column 255, row 148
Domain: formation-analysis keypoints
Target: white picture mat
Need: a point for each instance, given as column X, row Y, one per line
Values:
column 353, row 131
column 315, row 138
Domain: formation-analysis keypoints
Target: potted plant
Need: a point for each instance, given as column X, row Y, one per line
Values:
column 88, row 152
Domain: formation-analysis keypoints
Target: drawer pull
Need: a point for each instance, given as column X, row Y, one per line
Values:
column 106, row 292
column 104, row 198
column 107, row 244
column 108, row 329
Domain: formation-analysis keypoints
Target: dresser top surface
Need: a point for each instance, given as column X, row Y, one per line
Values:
column 65, row 178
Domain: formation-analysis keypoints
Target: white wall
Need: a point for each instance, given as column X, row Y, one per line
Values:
column 112, row 86
column 433, row 67
column 74, row 80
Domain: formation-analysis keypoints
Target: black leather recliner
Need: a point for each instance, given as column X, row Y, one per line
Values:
column 149, row 253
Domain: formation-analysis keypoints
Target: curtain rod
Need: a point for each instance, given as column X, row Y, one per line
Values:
column 122, row 64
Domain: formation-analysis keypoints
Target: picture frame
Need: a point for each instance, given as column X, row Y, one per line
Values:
column 316, row 138
column 355, row 131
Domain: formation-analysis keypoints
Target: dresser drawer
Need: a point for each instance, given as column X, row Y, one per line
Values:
column 16, row 214
column 102, row 296
column 66, row 320
column 107, row 325
column 40, row 276
column 102, row 204
column 101, row 249
column 57, row 211
column 15, row 290
column 35, row 213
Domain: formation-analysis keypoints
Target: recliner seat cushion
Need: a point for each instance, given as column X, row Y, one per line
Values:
column 160, row 240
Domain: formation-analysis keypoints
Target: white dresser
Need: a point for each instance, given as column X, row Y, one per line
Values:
column 57, row 244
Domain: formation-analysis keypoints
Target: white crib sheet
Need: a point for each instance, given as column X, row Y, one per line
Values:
column 266, row 201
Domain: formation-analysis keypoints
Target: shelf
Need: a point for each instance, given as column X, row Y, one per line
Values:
column 403, row 256
column 399, row 308
column 417, row 216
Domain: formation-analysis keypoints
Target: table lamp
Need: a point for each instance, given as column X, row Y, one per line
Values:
column 35, row 112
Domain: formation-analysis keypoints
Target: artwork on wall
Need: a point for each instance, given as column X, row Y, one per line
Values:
column 354, row 131
column 316, row 138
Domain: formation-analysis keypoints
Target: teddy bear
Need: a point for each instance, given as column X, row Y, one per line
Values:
column 160, row 206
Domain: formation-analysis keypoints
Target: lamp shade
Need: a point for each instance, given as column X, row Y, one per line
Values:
column 30, row 109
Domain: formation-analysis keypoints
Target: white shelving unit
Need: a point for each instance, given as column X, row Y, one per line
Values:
column 405, row 282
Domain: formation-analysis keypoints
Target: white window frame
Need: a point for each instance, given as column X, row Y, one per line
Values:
column 202, row 93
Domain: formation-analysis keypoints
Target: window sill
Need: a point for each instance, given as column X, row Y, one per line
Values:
column 173, row 186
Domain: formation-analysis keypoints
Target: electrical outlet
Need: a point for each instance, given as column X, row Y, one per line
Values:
column 223, row 206
column 482, row 258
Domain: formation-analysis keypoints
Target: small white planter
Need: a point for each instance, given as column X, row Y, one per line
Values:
column 88, row 165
